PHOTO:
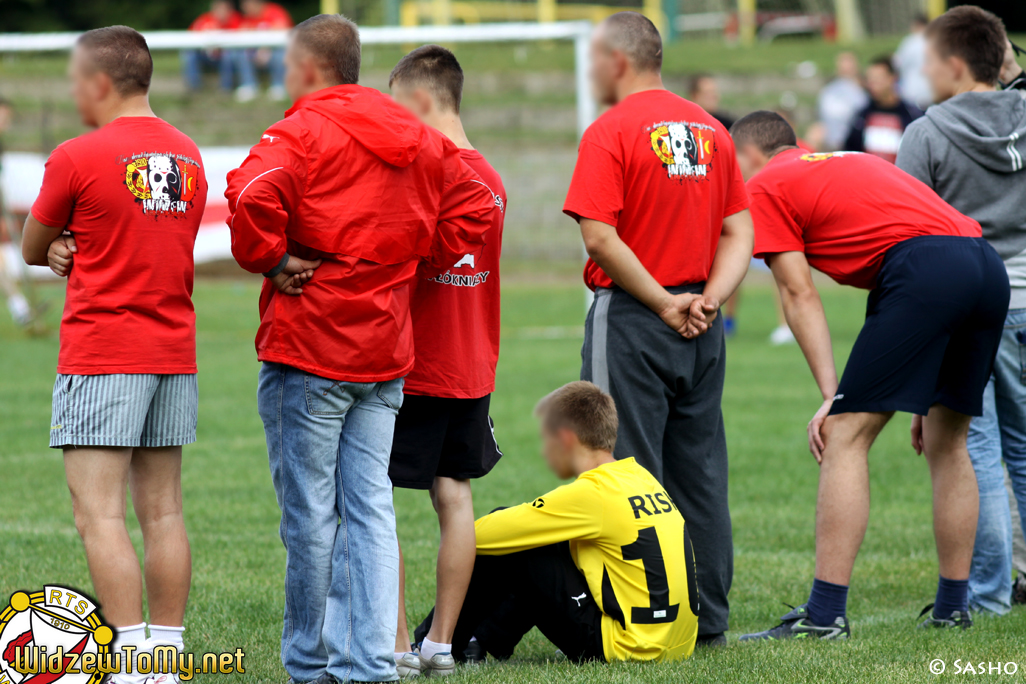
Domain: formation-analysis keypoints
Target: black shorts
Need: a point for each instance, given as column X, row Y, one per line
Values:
column 932, row 330
column 440, row 437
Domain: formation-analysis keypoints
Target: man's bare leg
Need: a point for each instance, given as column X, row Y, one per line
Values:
column 155, row 480
column 98, row 480
column 956, row 505
column 456, row 553
column 842, row 506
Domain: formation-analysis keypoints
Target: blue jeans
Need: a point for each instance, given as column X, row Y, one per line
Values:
column 329, row 444
column 999, row 435
column 195, row 62
column 245, row 62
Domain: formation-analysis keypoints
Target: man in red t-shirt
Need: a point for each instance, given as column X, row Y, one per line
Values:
column 222, row 17
column 353, row 185
column 260, row 15
column 663, row 212
column 125, row 400
column 937, row 303
column 443, row 434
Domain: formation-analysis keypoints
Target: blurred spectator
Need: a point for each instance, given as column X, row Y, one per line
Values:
column 221, row 17
column 840, row 100
column 261, row 15
column 878, row 128
column 17, row 304
column 908, row 60
column 704, row 91
column 1012, row 75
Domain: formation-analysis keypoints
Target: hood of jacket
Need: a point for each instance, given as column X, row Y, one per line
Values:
column 987, row 127
column 372, row 118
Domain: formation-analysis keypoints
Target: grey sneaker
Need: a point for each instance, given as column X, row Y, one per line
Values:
column 408, row 666
column 796, row 625
column 440, row 665
column 959, row 618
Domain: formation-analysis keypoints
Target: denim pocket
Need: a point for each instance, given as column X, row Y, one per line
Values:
column 326, row 397
column 391, row 393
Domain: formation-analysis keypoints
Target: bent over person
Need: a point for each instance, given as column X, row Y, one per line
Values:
column 337, row 206
column 663, row 211
column 602, row 566
column 126, row 399
column 937, row 303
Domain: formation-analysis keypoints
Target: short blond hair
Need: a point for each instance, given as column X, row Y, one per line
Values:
column 584, row 409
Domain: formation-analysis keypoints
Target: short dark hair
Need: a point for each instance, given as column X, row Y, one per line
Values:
column 121, row 53
column 636, row 36
column 435, row 68
column 696, row 81
column 974, row 35
column 768, row 131
column 920, row 19
column 584, row 409
column 885, row 61
column 334, row 41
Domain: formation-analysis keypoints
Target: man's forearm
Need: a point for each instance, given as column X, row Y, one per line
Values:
column 807, row 320
column 622, row 265
column 733, row 255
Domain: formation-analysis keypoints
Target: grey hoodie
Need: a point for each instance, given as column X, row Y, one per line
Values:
column 970, row 150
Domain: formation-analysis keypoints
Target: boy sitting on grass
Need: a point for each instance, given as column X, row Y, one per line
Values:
column 603, row 566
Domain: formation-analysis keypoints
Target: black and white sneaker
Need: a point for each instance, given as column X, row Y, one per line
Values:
column 797, row 625
column 474, row 654
column 959, row 618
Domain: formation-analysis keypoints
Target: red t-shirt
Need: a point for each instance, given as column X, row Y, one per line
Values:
column 663, row 172
column 208, row 22
column 844, row 210
column 273, row 16
column 132, row 193
column 456, row 314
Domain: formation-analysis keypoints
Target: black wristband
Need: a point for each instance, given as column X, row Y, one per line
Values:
column 279, row 268
column 1017, row 83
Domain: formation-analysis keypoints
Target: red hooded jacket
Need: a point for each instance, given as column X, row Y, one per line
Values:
column 352, row 178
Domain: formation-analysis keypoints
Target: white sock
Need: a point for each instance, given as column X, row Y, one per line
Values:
column 429, row 649
column 133, row 635
column 170, row 636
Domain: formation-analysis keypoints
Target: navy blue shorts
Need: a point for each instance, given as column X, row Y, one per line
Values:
column 932, row 330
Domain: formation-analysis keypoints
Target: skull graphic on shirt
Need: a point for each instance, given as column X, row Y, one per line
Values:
column 685, row 149
column 165, row 180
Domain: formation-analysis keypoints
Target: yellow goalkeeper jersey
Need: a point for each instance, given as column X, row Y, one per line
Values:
column 629, row 540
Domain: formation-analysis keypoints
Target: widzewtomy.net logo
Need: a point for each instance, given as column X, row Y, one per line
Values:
column 58, row 635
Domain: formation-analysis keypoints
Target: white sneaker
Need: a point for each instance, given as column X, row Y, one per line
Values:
column 781, row 335
column 408, row 666
column 440, row 665
column 277, row 94
column 245, row 94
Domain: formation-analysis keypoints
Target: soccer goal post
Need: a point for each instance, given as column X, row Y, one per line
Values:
column 577, row 31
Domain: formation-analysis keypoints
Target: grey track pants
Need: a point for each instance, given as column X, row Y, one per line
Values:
column 668, row 391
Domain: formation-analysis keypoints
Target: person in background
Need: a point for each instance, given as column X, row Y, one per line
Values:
column 969, row 148
column 1012, row 75
column 444, row 436
column 908, row 61
column 260, row 15
column 878, row 127
column 840, row 100
column 221, row 17
column 704, row 91
column 17, row 303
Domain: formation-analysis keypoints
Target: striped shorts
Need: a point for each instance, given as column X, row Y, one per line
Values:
column 132, row 410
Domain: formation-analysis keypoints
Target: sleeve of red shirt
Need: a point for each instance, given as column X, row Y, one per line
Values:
column 56, row 198
column 596, row 190
column 737, row 193
column 262, row 193
column 776, row 225
column 464, row 216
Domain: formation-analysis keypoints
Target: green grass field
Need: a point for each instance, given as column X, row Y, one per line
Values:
column 238, row 560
